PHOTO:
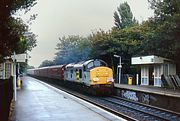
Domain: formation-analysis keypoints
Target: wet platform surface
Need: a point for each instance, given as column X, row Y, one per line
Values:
column 150, row 89
column 37, row 101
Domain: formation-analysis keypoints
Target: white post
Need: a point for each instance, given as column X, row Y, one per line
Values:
column 120, row 66
column 117, row 72
column 14, row 78
column 137, row 79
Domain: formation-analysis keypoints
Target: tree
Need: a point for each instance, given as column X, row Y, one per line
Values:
column 12, row 29
column 30, row 67
column 166, row 26
column 123, row 17
column 46, row 63
column 165, row 8
column 124, row 42
column 72, row 49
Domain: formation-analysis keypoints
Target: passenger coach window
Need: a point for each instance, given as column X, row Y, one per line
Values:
column 80, row 73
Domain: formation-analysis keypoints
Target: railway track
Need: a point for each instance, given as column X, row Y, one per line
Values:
column 160, row 112
column 124, row 108
column 141, row 112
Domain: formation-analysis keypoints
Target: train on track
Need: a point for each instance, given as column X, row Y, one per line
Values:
column 94, row 75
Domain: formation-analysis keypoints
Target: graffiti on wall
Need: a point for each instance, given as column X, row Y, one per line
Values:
column 129, row 95
column 145, row 98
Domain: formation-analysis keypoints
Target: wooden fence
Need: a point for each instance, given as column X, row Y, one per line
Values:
column 6, row 95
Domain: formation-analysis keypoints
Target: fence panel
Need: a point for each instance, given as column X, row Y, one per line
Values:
column 6, row 95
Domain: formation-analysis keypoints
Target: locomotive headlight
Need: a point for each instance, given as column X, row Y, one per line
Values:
column 96, row 79
column 110, row 79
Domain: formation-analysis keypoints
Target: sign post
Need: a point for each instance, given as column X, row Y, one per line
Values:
column 119, row 68
column 17, row 58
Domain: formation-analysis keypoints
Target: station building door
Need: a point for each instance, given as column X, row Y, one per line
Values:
column 151, row 75
column 144, row 75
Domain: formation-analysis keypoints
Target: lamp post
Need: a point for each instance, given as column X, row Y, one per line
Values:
column 14, row 78
column 119, row 67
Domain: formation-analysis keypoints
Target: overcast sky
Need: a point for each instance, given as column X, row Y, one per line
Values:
column 57, row 18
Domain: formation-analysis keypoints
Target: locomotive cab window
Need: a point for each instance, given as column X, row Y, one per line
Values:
column 90, row 65
column 97, row 63
column 102, row 63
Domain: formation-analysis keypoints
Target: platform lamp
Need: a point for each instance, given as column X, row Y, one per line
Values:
column 119, row 67
column 14, row 78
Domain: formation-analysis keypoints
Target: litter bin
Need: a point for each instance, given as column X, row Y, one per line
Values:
column 18, row 83
column 129, row 80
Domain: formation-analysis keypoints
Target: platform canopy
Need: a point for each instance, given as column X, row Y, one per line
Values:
column 152, row 59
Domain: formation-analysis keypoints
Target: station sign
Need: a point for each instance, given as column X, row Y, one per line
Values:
column 20, row 58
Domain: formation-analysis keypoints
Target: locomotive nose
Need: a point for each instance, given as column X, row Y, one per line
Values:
column 102, row 75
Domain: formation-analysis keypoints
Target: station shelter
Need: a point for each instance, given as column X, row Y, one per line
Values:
column 152, row 67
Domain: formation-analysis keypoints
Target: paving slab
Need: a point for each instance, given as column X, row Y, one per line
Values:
column 37, row 101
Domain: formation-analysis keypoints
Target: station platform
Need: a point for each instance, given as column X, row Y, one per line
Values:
column 38, row 101
column 154, row 96
column 150, row 89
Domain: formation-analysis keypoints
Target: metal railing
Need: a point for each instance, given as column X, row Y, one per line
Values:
column 171, row 81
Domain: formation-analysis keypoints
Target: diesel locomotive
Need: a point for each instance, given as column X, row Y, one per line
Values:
column 94, row 75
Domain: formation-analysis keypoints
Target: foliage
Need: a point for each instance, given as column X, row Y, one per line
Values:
column 46, row 63
column 124, row 42
column 164, row 8
column 166, row 30
column 12, row 29
column 30, row 67
column 157, row 36
column 72, row 49
column 124, row 39
column 123, row 17
column 9, row 7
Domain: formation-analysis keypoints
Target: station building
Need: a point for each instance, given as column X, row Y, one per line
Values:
column 6, row 69
column 151, row 69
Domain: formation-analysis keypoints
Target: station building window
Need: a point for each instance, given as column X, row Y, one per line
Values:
column 7, row 70
column 1, row 71
column 165, row 68
column 157, row 75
